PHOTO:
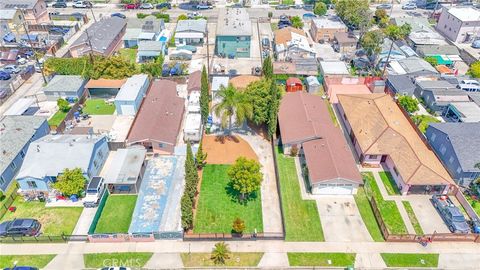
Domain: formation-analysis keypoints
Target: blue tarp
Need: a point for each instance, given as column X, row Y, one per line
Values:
column 10, row 37
column 32, row 37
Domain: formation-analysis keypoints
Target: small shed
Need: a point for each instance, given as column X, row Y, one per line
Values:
column 131, row 94
column 294, row 84
column 313, row 85
column 65, row 86
column 193, row 127
column 125, row 171
column 103, row 88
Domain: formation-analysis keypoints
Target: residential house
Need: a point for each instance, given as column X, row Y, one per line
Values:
column 345, row 43
column 292, row 44
column 335, row 85
column 421, row 34
column 101, row 38
column 323, row 29
column 104, row 88
column 35, row 11
column 333, row 68
column 150, row 49
column 217, row 83
column 465, row 112
column 306, row 128
column 459, row 24
column 16, row 133
column 11, row 27
column 194, row 81
column 148, row 28
column 414, row 66
column 65, row 86
column 191, row 32
column 234, row 33
column 124, row 169
column 437, row 94
column 157, row 123
column 458, row 147
column 300, row 67
column 449, row 51
column 400, row 84
column 49, row 156
column 382, row 135
column 130, row 96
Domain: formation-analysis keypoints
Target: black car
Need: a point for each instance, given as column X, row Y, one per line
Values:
column 20, row 227
column 164, row 5
column 119, row 15
column 59, row 5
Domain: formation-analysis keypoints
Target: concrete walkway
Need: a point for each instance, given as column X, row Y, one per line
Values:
column 164, row 261
column 369, row 260
column 84, row 221
column 274, row 260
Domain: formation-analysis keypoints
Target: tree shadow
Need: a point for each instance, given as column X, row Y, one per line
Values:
column 223, row 138
column 235, row 195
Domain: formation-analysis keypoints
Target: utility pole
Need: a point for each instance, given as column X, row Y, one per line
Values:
column 208, row 53
column 91, row 10
column 31, row 45
column 90, row 45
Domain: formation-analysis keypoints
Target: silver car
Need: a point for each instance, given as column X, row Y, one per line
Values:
column 12, row 69
column 146, row 6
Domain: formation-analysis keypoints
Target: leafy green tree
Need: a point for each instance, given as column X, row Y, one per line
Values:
column 153, row 68
column 245, row 176
column 355, row 13
column 182, row 17
column 63, row 105
column 297, row 22
column 238, row 226
column 381, row 17
column 371, row 42
column 474, row 69
column 410, row 104
column 201, row 157
column 394, row 33
column 233, row 103
column 267, row 67
column 259, row 94
column 113, row 67
column 431, row 60
column 187, row 212
column 220, row 253
column 70, row 182
column 320, row 9
column 273, row 108
column 204, row 96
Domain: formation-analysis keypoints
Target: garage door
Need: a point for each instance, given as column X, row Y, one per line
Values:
column 128, row 110
column 333, row 189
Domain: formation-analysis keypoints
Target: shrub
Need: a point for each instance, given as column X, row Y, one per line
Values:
column 165, row 17
column 238, row 226
column 142, row 15
column 70, row 182
column 294, row 151
column 408, row 103
column 63, row 105
column 245, row 176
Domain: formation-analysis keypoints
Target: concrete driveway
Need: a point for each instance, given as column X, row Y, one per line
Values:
column 426, row 214
column 341, row 220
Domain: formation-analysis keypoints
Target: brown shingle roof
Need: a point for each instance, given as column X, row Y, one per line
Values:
column 160, row 116
column 194, row 81
column 380, row 128
column 282, row 36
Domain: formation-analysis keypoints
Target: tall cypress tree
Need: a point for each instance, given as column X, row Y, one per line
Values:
column 273, row 109
column 204, row 96
column 267, row 68
column 191, row 174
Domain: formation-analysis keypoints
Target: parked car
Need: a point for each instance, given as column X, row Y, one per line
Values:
column 146, row 6
column 82, row 4
column 450, row 214
column 192, row 15
column 176, row 70
column 12, row 69
column 409, row 6
column 21, row 60
column 384, row 6
column 5, row 76
column 476, row 44
column 95, row 190
column 282, row 7
column 119, row 15
column 59, row 5
column 300, row 6
column 38, row 68
column 164, row 5
column 131, row 6
column 469, row 85
column 20, row 227
column 204, row 6
column 265, row 43
column 3, row 93
column 308, row 7
column 433, row 5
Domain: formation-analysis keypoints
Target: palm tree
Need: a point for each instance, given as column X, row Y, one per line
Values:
column 220, row 253
column 395, row 33
column 234, row 103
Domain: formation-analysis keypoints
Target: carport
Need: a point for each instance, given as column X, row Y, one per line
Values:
column 103, row 88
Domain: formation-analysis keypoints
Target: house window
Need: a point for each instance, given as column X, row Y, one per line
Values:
column 373, row 156
column 450, row 160
column 459, row 169
column 395, row 170
column 160, row 145
column 2, row 180
column 32, row 184
column 434, row 136
column 13, row 165
column 22, row 154
column 443, row 149
column 95, row 164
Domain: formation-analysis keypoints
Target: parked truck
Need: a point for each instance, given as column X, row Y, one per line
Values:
column 450, row 214
column 95, row 190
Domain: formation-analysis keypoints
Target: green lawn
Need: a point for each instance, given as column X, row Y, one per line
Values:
column 474, row 203
column 367, row 215
column 321, row 259
column 53, row 219
column 129, row 54
column 57, row 118
column 117, row 214
column 302, row 221
column 389, row 183
column 237, row 259
column 410, row 259
column 413, row 217
column 39, row 261
column 423, row 121
column 98, row 107
column 126, row 259
column 388, row 209
column 218, row 207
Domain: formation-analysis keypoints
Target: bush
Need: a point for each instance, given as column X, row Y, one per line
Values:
column 165, row 17
column 63, row 105
column 67, row 66
column 431, row 60
column 320, row 9
column 245, row 176
column 238, row 226
column 408, row 103
column 293, row 151
column 182, row 17
column 142, row 15
column 70, row 182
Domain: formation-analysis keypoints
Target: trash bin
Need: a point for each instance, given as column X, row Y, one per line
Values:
column 74, row 198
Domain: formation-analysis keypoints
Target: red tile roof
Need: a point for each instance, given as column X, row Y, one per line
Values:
column 160, row 116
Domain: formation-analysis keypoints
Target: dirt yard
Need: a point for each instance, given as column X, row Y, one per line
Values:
column 226, row 149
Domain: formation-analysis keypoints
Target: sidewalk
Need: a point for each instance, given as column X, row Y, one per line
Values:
column 31, row 87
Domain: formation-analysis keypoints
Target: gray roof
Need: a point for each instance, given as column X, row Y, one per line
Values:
column 192, row 26
column 329, row 22
column 234, row 22
column 15, row 132
column 130, row 89
column 438, row 84
column 474, row 97
column 65, row 83
column 148, row 24
column 7, row 14
column 425, row 50
column 416, row 65
column 102, row 33
column 446, row 92
column 417, row 23
column 402, row 84
column 11, row 4
column 51, row 154
column 150, row 45
column 465, row 142
column 125, row 165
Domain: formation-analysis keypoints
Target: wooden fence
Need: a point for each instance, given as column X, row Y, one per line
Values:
column 7, row 202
